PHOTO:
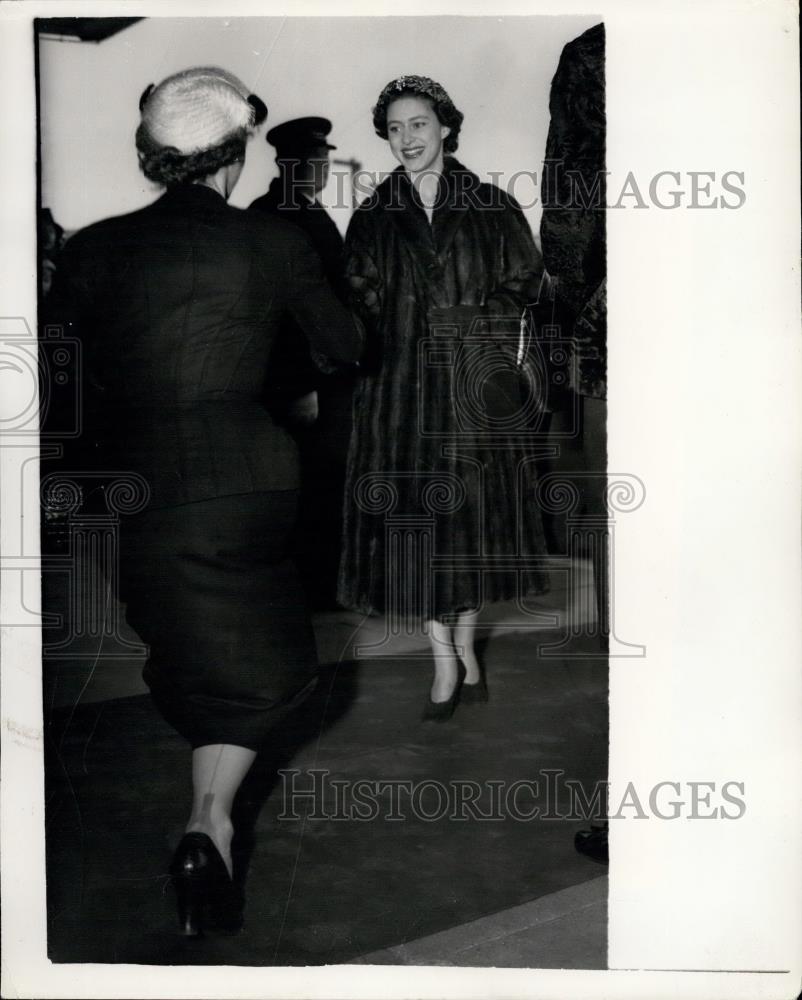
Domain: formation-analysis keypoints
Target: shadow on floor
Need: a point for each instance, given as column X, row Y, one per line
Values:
column 364, row 843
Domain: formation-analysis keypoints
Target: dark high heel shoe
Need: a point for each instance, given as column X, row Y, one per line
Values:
column 475, row 694
column 206, row 896
column 592, row 843
column 441, row 711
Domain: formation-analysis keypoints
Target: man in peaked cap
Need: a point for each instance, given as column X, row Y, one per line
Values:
column 302, row 155
column 317, row 406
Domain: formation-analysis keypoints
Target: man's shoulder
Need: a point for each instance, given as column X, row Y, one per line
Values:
column 267, row 202
column 272, row 230
column 280, row 199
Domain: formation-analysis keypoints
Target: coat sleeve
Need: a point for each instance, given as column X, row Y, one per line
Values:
column 71, row 294
column 71, row 307
column 362, row 276
column 516, row 285
column 72, row 300
column 517, row 280
column 364, row 283
column 333, row 332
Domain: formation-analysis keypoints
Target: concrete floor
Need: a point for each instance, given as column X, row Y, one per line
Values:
column 558, row 931
column 105, row 661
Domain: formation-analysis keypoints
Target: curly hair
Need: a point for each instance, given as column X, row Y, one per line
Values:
column 431, row 91
column 166, row 166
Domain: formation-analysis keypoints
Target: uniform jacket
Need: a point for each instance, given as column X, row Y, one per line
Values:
column 293, row 372
column 313, row 219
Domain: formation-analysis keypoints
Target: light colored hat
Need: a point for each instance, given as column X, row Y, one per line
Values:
column 197, row 109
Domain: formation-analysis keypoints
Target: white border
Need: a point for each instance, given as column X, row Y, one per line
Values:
column 705, row 408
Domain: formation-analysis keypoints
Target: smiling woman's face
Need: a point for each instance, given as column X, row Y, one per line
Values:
column 415, row 135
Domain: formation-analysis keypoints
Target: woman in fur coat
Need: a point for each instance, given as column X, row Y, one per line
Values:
column 440, row 515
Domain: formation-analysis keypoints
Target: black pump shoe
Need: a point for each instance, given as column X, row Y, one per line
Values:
column 474, row 694
column 206, row 896
column 592, row 843
column 441, row 711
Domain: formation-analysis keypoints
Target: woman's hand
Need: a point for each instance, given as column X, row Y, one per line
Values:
column 303, row 412
column 367, row 295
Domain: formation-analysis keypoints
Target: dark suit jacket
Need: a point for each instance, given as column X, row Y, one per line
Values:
column 293, row 373
column 177, row 306
column 316, row 223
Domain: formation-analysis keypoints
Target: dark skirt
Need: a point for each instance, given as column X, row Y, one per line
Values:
column 209, row 586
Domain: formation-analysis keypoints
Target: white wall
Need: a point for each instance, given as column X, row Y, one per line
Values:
column 497, row 71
